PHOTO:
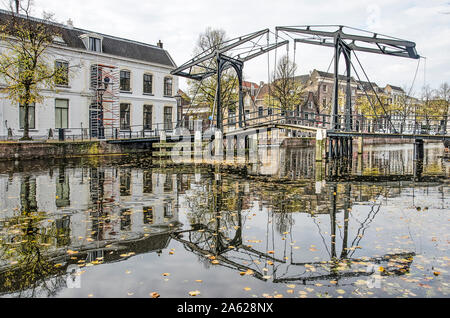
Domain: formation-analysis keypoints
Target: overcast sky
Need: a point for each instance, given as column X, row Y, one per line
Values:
column 178, row 23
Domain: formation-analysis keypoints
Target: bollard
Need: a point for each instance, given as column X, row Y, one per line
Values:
column 61, row 136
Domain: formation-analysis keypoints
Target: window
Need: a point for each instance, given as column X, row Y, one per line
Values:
column 125, row 220
column 168, row 185
column 125, row 81
column 96, row 76
column 260, row 111
column 168, row 118
column 231, row 117
column 148, row 116
column 31, row 117
column 168, row 210
column 269, row 111
column 324, row 88
column 95, row 44
column 61, row 113
column 125, row 183
column 63, row 78
column 167, row 86
column 125, row 116
column 62, row 190
column 324, row 102
column 148, row 84
column 148, row 182
column 148, row 214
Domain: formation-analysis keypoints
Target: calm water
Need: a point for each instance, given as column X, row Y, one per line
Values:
column 105, row 227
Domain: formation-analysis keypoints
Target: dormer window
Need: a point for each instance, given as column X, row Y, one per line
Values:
column 95, row 44
column 92, row 42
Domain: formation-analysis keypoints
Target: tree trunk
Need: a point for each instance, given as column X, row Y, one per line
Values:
column 26, row 123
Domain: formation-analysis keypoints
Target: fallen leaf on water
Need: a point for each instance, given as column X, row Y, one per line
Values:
column 249, row 272
column 340, row 291
column 278, row 296
column 291, row 286
column 166, row 274
column 436, row 273
column 215, row 262
column 247, row 288
column 290, row 291
column 199, row 281
column 194, row 293
column 154, row 295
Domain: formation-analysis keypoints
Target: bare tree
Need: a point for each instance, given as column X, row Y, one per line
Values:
column 204, row 93
column 286, row 92
column 444, row 96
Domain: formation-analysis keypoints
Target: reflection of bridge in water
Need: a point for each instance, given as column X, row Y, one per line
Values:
column 104, row 214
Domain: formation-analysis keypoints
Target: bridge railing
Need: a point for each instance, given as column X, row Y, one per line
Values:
column 107, row 133
column 392, row 124
column 278, row 116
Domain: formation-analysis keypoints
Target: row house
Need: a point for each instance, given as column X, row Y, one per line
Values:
column 110, row 82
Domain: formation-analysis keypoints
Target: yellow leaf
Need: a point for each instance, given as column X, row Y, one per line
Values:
column 194, row 293
column 154, row 295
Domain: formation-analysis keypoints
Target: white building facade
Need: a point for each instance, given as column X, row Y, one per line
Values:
column 138, row 95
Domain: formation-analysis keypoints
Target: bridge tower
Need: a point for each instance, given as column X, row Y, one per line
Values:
column 344, row 43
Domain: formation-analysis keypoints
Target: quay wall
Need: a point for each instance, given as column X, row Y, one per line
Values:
column 44, row 149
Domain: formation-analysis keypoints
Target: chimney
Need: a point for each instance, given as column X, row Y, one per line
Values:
column 160, row 44
column 70, row 23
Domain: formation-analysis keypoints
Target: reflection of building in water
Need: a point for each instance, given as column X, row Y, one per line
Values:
column 88, row 205
column 399, row 159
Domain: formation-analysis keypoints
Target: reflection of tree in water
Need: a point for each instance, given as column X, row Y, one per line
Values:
column 26, row 246
column 211, row 213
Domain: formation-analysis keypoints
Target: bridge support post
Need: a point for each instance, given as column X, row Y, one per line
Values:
column 162, row 136
column 229, row 152
column 359, row 166
column 198, row 145
column 321, row 137
column 418, row 149
column 360, row 145
column 218, row 145
column 253, row 148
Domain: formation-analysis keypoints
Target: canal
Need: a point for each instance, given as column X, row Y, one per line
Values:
column 375, row 226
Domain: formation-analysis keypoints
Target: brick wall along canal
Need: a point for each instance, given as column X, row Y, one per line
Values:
column 110, row 228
